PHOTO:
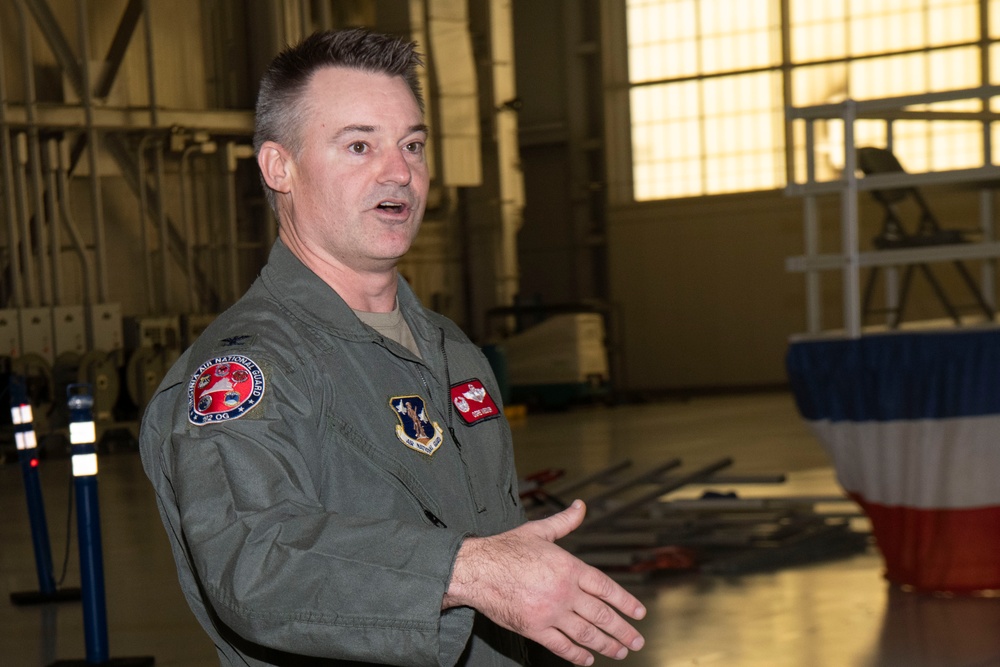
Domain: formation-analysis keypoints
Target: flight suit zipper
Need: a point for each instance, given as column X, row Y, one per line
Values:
column 480, row 506
column 450, row 420
column 433, row 518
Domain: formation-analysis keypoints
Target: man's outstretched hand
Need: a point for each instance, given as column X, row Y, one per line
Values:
column 524, row 582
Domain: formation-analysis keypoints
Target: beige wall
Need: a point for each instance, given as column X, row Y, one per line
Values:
column 702, row 296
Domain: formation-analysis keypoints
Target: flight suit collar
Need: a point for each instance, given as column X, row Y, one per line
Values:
column 313, row 301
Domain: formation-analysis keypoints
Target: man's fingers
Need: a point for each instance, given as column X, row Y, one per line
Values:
column 559, row 644
column 588, row 635
column 616, row 633
column 558, row 525
column 596, row 583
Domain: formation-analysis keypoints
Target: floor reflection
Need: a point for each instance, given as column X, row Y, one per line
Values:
column 927, row 631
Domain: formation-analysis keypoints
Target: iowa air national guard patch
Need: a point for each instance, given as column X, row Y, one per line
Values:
column 224, row 388
column 473, row 402
column 415, row 429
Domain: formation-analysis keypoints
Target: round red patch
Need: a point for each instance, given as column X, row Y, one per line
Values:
column 224, row 388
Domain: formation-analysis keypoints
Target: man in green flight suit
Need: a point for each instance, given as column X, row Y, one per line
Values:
column 330, row 459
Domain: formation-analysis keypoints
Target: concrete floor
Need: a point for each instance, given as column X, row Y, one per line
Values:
column 834, row 613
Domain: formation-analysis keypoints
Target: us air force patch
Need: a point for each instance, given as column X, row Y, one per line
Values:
column 415, row 429
column 224, row 388
column 473, row 402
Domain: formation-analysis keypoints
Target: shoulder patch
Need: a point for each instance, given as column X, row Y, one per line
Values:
column 224, row 388
column 474, row 403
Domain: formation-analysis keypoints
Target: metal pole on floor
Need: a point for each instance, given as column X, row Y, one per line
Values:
column 83, row 438
column 27, row 453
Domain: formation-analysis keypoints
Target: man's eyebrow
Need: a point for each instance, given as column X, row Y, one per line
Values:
column 368, row 129
column 351, row 129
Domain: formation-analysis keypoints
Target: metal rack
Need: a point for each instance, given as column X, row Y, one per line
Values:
column 635, row 528
column 850, row 260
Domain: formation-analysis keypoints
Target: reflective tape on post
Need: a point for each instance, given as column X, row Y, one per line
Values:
column 82, row 435
column 21, row 414
column 24, row 427
column 84, row 464
column 25, row 440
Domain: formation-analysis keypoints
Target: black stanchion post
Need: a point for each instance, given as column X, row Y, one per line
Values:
column 27, row 453
column 83, row 438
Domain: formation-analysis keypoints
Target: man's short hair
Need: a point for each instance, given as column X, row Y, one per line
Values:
column 280, row 112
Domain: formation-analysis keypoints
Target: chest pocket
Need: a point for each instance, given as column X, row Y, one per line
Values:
column 376, row 479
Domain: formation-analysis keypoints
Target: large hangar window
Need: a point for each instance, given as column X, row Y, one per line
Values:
column 709, row 81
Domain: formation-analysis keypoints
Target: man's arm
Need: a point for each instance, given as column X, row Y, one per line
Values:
column 277, row 566
column 524, row 582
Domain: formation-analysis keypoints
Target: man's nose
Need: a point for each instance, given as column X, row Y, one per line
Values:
column 395, row 168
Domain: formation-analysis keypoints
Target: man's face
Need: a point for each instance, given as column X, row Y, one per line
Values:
column 359, row 183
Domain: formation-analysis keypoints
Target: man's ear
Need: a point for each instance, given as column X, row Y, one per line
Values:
column 275, row 166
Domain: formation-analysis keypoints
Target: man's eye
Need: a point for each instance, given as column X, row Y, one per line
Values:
column 415, row 147
column 358, row 147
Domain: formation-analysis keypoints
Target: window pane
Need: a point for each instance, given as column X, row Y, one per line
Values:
column 887, row 77
column 738, row 35
column 953, row 69
column 949, row 69
column 952, row 21
column 879, row 26
column 819, row 29
column 662, row 39
column 819, row 84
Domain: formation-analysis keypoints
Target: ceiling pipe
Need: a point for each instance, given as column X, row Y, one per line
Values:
column 36, row 245
column 52, row 207
column 164, row 229
column 7, row 161
column 22, row 272
column 96, row 201
column 154, row 301
column 62, row 184
column 203, row 147
column 234, row 152
column 147, row 256
column 28, row 159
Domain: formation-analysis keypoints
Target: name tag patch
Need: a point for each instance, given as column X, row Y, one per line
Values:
column 473, row 402
column 223, row 389
column 415, row 429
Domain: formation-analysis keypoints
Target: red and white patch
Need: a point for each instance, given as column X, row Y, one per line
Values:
column 223, row 389
column 473, row 402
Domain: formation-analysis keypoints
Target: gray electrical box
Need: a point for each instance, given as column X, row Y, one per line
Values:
column 69, row 327
column 152, row 332
column 36, row 333
column 105, row 321
column 10, row 334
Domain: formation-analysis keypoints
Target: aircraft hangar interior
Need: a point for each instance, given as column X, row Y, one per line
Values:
column 730, row 264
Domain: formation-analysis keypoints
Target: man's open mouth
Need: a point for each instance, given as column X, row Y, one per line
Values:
column 391, row 206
